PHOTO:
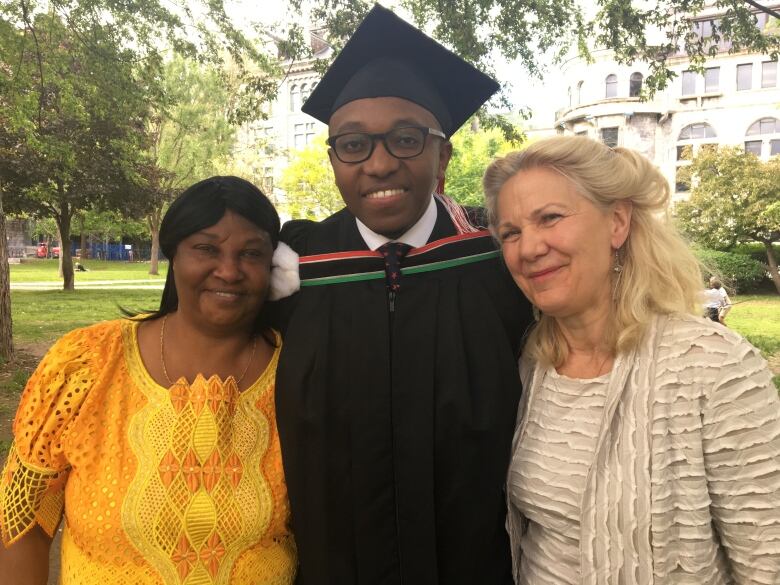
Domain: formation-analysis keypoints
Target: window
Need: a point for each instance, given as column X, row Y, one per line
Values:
column 744, row 76
column 635, row 85
column 581, row 133
column 766, row 130
column 609, row 136
column 688, row 83
column 295, row 96
column 764, row 126
column 569, row 96
column 684, row 151
column 309, row 132
column 682, row 180
column 579, row 93
column 769, row 74
column 711, row 79
column 611, row 86
column 697, row 131
column 299, row 140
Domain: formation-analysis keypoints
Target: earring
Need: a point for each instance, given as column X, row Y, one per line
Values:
column 617, row 268
column 537, row 313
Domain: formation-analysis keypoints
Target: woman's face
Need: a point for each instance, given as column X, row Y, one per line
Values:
column 558, row 246
column 222, row 273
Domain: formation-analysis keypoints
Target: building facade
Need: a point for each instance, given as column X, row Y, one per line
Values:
column 736, row 101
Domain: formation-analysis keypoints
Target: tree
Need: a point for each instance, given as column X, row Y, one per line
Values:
column 308, row 182
column 80, row 116
column 191, row 135
column 472, row 152
column 735, row 199
column 479, row 30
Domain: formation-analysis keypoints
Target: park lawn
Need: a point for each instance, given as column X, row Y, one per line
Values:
column 757, row 318
column 43, row 316
column 34, row 270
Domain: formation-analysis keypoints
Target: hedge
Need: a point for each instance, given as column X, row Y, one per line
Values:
column 740, row 273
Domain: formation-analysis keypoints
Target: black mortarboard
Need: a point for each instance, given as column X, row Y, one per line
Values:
column 387, row 57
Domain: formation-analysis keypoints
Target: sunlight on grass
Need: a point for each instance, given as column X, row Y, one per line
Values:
column 46, row 271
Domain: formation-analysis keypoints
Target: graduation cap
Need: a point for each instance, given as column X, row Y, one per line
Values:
column 387, row 57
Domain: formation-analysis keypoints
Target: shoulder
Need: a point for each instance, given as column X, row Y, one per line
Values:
column 301, row 234
column 703, row 354
column 88, row 341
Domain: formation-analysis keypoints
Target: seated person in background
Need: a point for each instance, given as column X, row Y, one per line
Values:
column 398, row 381
column 156, row 436
column 647, row 449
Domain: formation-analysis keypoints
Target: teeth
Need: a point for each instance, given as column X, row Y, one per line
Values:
column 385, row 193
column 226, row 294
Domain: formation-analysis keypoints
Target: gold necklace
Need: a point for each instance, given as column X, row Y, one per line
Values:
column 162, row 355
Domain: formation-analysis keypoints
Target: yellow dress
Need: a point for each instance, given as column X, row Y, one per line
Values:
column 179, row 485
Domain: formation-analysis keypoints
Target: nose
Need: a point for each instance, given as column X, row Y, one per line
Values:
column 530, row 246
column 381, row 163
column 228, row 269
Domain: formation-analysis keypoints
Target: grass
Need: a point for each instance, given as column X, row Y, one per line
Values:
column 43, row 316
column 757, row 318
column 35, row 270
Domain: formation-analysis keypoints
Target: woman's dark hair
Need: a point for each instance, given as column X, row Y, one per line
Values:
column 203, row 205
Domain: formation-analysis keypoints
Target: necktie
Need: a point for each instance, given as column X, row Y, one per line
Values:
column 393, row 253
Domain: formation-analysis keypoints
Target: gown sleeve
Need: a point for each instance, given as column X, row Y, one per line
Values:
column 33, row 480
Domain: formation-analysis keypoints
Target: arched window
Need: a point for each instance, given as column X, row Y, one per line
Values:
column 635, row 86
column 305, row 91
column 569, row 96
column 691, row 138
column 579, row 92
column 295, row 96
column 697, row 132
column 764, row 137
column 611, row 86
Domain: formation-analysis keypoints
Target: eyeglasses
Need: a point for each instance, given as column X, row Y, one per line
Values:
column 405, row 142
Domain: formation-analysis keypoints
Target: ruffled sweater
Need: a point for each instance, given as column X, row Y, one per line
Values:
column 685, row 484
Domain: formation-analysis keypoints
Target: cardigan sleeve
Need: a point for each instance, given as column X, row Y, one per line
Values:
column 741, row 445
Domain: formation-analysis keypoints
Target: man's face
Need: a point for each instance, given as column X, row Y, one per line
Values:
column 388, row 194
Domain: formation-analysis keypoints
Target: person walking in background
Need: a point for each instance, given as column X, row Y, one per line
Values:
column 725, row 301
column 647, row 449
column 156, row 436
column 397, row 382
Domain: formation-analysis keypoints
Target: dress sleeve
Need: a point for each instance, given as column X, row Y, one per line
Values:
column 741, row 442
column 32, row 483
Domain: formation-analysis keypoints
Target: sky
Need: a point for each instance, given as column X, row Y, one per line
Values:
column 542, row 96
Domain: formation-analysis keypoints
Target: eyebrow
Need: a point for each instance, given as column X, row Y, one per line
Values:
column 212, row 236
column 360, row 127
column 536, row 212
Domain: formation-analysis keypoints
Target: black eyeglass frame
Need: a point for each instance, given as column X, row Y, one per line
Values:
column 331, row 141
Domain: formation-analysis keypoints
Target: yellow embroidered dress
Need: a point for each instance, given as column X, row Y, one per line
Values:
column 180, row 485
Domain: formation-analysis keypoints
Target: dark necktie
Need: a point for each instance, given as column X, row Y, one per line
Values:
column 393, row 253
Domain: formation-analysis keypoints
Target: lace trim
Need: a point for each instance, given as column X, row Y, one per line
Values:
column 26, row 499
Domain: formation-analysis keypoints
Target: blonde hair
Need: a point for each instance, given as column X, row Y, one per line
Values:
column 660, row 273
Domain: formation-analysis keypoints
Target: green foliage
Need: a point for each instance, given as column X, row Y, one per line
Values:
column 740, row 273
column 735, row 200
column 472, row 152
column 530, row 31
column 308, row 182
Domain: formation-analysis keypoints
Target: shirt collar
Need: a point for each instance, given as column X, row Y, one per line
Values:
column 415, row 236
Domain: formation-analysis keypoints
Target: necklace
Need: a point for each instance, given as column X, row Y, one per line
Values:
column 162, row 355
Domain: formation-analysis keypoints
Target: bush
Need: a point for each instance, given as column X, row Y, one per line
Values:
column 740, row 273
column 755, row 250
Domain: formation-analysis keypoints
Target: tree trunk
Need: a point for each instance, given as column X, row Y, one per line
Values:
column 6, row 323
column 66, row 260
column 772, row 261
column 84, row 254
column 154, row 220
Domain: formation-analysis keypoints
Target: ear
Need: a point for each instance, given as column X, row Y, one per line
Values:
column 621, row 223
column 445, row 154
column 331, row 156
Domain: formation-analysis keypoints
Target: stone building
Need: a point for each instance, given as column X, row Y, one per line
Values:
column 736, row 101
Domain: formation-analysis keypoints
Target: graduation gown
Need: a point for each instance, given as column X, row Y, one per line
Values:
column 396, row 427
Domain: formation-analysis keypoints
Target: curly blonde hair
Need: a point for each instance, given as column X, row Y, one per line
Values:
column 660, row 273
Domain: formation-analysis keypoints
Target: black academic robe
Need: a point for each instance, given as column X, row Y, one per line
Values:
column 396, row 428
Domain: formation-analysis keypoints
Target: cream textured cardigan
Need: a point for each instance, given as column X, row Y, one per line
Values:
column 685, row 487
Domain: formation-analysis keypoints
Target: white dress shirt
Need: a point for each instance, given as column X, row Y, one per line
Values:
column 415, row 236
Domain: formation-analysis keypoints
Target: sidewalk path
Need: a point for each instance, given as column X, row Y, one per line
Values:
column 153, row 284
